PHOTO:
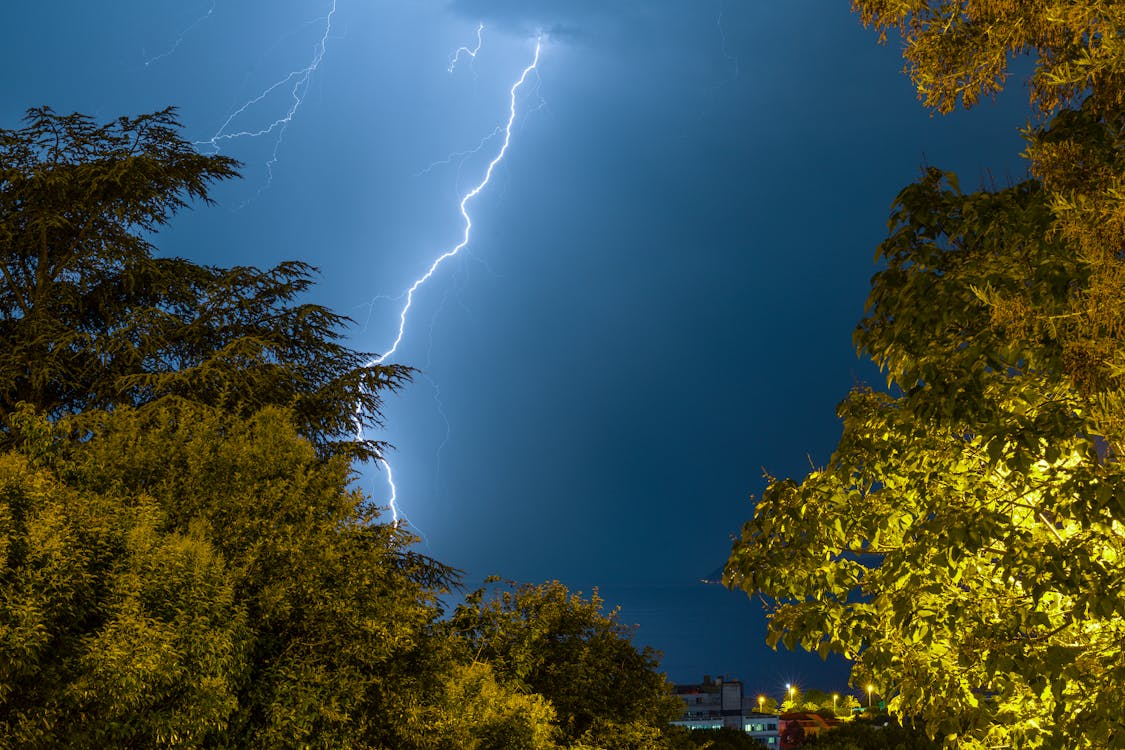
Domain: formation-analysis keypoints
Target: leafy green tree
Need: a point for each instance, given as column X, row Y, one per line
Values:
column 769, row 705
column 862, row 734
column 110, row 629
column 185, row 576
column 792, row 734
column 817, row 697
column 965, row 542
column 794, row 701
column 958, row 51
column 962, row 542
column 724, row 738
column 90, row 318
column 846, row 704
column 606, row 693
column 476, row 712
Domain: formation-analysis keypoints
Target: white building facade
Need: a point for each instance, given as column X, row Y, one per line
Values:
column 717, row 703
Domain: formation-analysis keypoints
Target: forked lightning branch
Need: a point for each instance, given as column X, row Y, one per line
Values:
column 295, row 86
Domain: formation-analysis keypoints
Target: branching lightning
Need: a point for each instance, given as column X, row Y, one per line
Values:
column 298, row 82
column 241, row 124
column 466, row 234
column 471, row 53
column 460, row 155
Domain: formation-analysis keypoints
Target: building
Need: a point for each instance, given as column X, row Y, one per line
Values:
column 762, row 727
column 717, row 703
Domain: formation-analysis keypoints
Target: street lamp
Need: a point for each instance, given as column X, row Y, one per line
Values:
column 761, row 701
column 870, row 687
column 834, row 697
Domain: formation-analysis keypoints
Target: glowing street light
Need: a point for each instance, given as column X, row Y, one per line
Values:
column 870, row 687
column 761, row 701
column 834, row 697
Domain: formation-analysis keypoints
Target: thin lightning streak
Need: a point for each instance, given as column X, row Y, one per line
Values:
column 472, row 53
column 460, row 156
column 448, row 430
column 732, row 70
column 300, row 80
column 723, row 42
column 455, row 250
column 468, row 221
column 437, row 390
column 183, row 34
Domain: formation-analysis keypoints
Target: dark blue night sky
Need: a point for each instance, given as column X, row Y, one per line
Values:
column 657, row 301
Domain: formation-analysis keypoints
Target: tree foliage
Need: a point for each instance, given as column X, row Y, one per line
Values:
column 183, row 576
column 958, row 50
column 965, row 543
column 861, row 734
column 606, row 693
column 90, row 318
column 475, row 711
column 723, row 738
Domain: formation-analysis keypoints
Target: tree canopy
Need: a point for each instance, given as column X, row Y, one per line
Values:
column 186, row 576
column 965, row 543
column 91, row 318
column 723, row 738
column 878, row 734
column 606, row 692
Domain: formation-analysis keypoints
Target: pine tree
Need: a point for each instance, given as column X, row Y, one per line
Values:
column 91, row 317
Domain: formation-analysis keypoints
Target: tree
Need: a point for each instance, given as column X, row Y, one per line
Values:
column 958, row 51
column 769, row 705
column 104, row 614
column 605, row 692
column 863, row 734
column 724, row 738
column 90, row 318
column 846, row 705
column 963, row 541
column 792, row 734
column 794, row 700
column 183, row 575
column 477, row 712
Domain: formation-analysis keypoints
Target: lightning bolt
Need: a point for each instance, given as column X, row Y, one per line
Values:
column 736, row 66
column 472, row 53
column 297, row 83
column 467, row 223
column 183, row 34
